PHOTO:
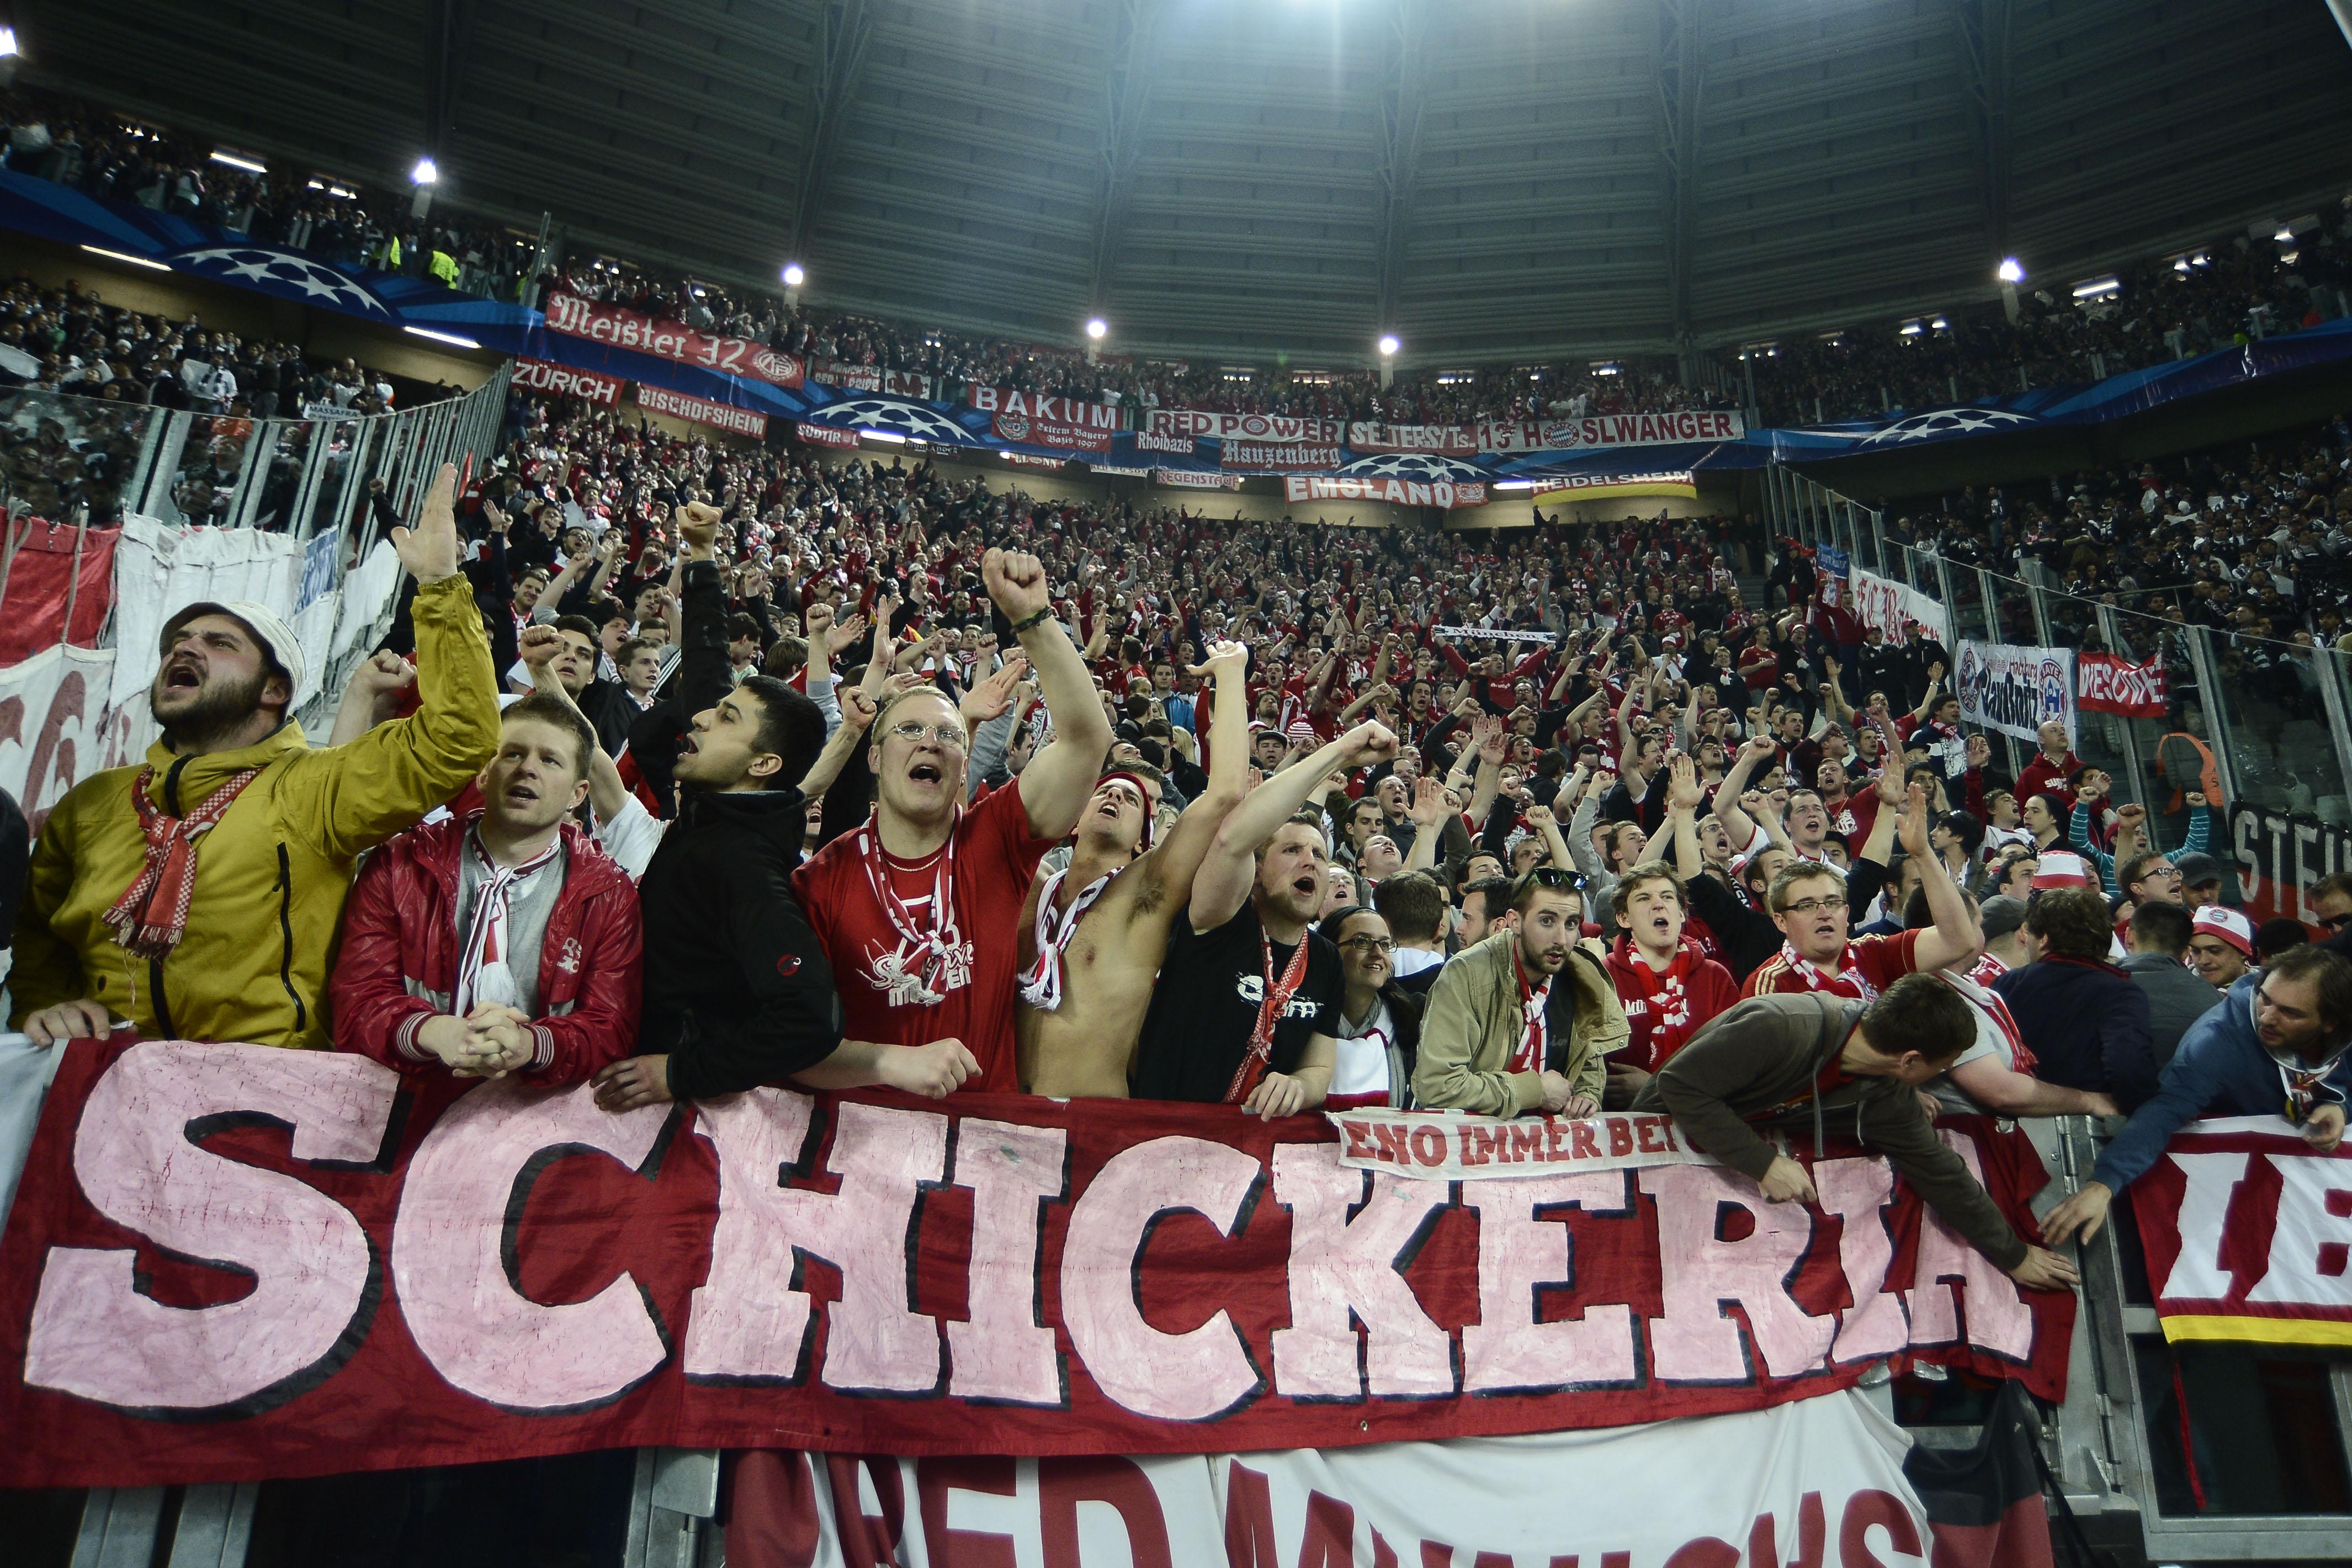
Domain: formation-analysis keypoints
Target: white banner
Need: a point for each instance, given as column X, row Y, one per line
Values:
column 1264, row 427
column 1497, row 635
column 1194, row 479
column 1818, row 1482
column 1446, row 493
column 1609, row 430
column 57, row 726
column 702, row 411
column 2014, row 689
column 1894, row 608
column 1439, row 1145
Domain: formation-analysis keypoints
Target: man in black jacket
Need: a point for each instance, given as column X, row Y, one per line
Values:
column 738, row 990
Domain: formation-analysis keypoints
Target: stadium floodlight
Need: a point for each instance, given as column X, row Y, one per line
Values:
column 452, row 339
column 7, row 43
column 426, row 172
column 249, row 165
column 1096, row 327
column 1388, row 345
column 793, row 275
column 2285, row 235
column 126, row 257
column 2010, row 270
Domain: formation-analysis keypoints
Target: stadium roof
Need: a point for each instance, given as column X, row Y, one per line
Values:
column 1244, row 178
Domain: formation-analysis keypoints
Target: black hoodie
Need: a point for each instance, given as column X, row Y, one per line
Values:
column 738, row 990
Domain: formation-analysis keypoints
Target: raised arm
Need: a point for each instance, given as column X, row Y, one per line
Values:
column 1175, row 862
column 1737, row 826
column 1684, row 797
column 1428, row 814
column 363, row 793
column 1055, row 784
column 1956, row 936
column 1226, row 873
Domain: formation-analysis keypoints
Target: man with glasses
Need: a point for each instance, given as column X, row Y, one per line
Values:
column 1096, row 930
column 919, row 906
column 1525, row 1019
column 1808, row 902
column 2331, row 901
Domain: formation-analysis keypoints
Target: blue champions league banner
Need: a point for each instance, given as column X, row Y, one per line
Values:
column 984, row 421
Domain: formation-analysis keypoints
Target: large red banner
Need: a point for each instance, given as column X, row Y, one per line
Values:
column 2106, row 683
column 52, row 567
column 601, row 323
column 2245, row 1228
column 227, row 1263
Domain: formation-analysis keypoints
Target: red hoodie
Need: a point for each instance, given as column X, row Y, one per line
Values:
column 1665, row 1010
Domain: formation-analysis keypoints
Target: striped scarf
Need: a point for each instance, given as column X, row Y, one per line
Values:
column 152, row 915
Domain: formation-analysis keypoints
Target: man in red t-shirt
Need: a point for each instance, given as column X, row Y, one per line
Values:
column 920, row 908
column 1807, row 902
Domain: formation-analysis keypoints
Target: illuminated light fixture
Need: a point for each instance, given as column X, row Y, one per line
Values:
column 2010, row 270
column 888, row 437
column 7, row 43
column 1388, row 345
column 793, row 275
column 426, row 172
column 1096, row 327
column 120, row 255
column 2181, row 266
column 1912, row 329
column 1514, row 484
column 451, row 338
column 1939, row 324
column 2285, row 235
column 2099, row 288
column 234, row 162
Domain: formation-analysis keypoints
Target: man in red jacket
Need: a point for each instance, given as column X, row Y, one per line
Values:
column 2053, row 766
column 502, row 941
column 1669, row 987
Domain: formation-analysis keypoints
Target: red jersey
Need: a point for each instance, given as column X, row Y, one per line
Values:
column 905, row 976
column 1868, row 966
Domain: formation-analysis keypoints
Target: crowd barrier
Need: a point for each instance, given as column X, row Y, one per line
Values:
column 273, row 510
column 2265, row 721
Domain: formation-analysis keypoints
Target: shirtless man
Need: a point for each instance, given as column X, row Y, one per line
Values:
column 1089, row 957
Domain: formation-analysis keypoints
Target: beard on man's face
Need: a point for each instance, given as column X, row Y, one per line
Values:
column 218, row 709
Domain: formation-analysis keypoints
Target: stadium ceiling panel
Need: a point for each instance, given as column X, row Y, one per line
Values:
column 1247, row 179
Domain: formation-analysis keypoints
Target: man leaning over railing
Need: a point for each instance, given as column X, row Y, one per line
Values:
column 197, row 896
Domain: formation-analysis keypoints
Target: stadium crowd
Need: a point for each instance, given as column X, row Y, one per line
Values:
column 689, row 770
column 2158, row 311
column 61, row 457
column 2162, row 310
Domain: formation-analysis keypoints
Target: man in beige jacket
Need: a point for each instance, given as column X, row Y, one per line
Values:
column 1523, row 1021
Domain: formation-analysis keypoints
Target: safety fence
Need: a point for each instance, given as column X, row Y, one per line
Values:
column 116, row 510
column 2265, row 720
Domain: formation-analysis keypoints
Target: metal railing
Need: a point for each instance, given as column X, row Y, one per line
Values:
column 94, row 463
column 2269, row 716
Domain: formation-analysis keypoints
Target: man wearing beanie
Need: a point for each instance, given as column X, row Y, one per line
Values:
column 196, row 896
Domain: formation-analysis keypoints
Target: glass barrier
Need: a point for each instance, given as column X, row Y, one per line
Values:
column 76, row 459
column 70, row 457
column 2246, row 718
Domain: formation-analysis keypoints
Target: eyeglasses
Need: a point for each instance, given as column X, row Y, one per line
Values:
column 1809, row 905
column 1369, row 944
column 2161, row 871
column 949, row 736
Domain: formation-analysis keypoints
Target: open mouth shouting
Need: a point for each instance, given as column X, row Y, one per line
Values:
column 926, row 773
column 1662, row 928
column 182, row 676
column 1308, row 884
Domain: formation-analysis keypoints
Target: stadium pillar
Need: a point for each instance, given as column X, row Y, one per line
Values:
column 1679, row 78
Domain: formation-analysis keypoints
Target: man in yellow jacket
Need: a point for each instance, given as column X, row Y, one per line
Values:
column 1524, row 1020
column 198, row 896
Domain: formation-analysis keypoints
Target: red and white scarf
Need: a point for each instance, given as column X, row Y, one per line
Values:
column 1041, row 987
column 483, row 975
column 932, row 958
column 1535, row 1041
column 1847, row 982
column 1665, row 996
column 152, row 915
